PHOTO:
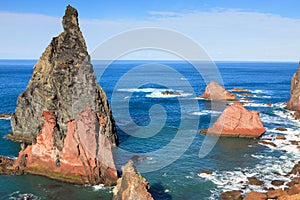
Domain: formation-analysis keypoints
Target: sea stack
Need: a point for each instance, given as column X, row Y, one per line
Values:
column 215, row 91
column 131, row 185
column 237, row 121
column 294, row 103
column 65, row 114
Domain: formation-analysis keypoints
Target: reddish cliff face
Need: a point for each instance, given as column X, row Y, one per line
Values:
column 294, row 103
column 237, row 121
column 86, row 157
column 215, row 91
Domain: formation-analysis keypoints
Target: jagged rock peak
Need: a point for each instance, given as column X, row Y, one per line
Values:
column 64, row 82
column 70, row 20
column 131, row 185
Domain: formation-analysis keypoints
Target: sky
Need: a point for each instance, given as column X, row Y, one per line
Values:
column 228, row 30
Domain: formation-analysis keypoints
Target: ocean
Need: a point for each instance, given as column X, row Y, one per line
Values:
column 164, row 128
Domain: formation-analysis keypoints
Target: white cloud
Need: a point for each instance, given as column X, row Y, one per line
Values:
column 225, row 34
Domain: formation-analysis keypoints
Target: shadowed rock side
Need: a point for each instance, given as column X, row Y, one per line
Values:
column 215, row 91
column 294, row 103
column 64, row 82
column 132, row 185
column 86, row 157
column 237, row 121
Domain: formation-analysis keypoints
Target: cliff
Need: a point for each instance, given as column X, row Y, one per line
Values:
column 294, row 103
column 237, row 121
column 66, row 115
column 63, row 81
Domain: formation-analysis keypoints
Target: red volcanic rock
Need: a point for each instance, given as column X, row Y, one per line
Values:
column 294, row 103
column 237, row 121
column 131, row 185
column 86, row 157
column 255, row 196
column 215, row 91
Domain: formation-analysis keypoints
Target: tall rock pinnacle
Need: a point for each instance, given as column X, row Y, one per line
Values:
column 66, row 115
column 64, row 82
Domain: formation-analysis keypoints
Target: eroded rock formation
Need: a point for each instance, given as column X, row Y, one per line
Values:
column 215, row 91
column 86, row 157
column 294, row 103
column 66, row 115
column 63, row 81
column 132, row 185
column 237, row 121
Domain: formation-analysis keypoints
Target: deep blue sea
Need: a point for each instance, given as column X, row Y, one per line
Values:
column 165, row 128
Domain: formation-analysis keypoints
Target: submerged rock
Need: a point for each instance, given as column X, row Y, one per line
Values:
column 237, row 121
column 131, row 185
column 215, row 91
column 66, row 115
column 294, row 102
column 64, row 82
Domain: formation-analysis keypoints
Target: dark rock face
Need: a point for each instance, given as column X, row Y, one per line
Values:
column 294, row 103
column 64, row 82
column 132, row 185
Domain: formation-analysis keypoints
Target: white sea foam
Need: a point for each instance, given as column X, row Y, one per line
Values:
column 99, row 187
column 145, row 90
column 206, row 112
column 158, row 94
column 257, row 105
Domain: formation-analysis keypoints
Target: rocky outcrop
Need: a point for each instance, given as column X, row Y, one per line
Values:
column 64, row 82
column 5, row 115
column 237, row 121
column 86, row 156
column 132, row 185
column 66, row 115
column 294, row 103
column 215, row 91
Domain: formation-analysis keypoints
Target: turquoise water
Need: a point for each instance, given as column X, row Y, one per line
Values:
column 173, row 173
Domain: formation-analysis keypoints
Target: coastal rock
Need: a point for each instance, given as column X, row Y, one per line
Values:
column 232, row 195
column 240, row 90
column 290, row 197
column 280, row 137
column 7, row 167
column 167, row 92
column 215, row 91
column 277, row 182
column 237, row 121
column 274, row 194
column 86, row 157
column 5, row 115
column 131, row 185
column 254, row 181
column 72, row 141
column 64, row 82
column 294, row 103
column 281, row 129
column 255, row 196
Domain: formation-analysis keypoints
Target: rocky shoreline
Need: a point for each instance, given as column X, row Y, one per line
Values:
column 291, row 189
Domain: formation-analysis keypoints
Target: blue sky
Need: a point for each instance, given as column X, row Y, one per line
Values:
column 226, row 29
